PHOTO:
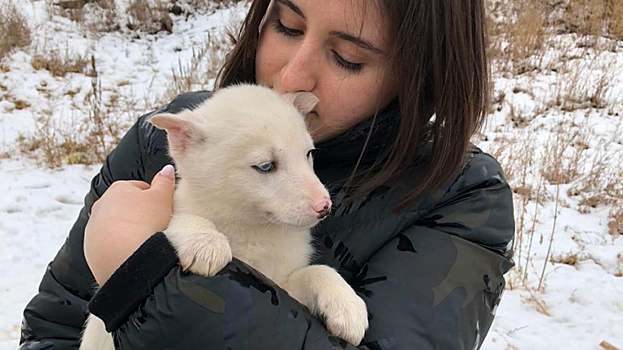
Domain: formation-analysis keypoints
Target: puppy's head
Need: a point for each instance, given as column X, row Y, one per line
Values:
column 247, row 150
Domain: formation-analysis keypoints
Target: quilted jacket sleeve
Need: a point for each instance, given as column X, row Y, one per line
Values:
column 433, row 286
column 54, row 318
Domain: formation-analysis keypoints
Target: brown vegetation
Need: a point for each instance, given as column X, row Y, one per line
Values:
column 14, row 29
column 564, row 47
column 59, row 64
column 143, row 16
column 78, row 141
column 149, row 16
column 206, row 58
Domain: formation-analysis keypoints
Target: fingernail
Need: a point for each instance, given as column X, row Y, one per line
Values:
column 168, row 171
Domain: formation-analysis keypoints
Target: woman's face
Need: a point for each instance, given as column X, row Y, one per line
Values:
column 335, row 49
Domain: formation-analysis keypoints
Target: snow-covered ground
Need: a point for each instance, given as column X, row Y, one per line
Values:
column 37, row 209
column 581, row 301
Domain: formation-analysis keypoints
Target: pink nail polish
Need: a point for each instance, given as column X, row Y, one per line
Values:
column 168, row 171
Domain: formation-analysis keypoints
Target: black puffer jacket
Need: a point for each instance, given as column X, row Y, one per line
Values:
column 431, row 276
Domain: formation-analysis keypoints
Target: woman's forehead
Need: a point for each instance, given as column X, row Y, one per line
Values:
column 356, row 18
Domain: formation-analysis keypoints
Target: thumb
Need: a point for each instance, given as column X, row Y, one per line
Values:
column 164, row 182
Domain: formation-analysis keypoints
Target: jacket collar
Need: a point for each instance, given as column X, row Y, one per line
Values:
column 344, row 150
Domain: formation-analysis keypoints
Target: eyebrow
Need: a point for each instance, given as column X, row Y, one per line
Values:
column 292, row 7
column 357, row 41
column 342, row 35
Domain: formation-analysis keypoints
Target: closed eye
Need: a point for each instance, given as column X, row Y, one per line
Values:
column 340, row 61
column 285, row 31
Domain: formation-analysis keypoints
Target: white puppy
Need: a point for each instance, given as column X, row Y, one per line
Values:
column 247, row 189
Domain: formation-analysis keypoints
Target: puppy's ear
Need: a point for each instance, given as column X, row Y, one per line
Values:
column 303, row 101
column 181, row 131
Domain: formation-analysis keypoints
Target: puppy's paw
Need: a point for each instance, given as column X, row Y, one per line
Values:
column 207, row 255
column 345, row 314
column 346, row 318
column 201, row 249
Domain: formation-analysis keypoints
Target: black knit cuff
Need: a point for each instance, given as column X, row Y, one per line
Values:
column 133, row 281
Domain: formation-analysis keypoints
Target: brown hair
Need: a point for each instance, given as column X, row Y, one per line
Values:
column 439, row 50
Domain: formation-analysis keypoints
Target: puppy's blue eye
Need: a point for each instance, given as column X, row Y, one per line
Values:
column 265, row 168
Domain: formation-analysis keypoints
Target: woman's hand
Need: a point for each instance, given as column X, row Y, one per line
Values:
column 126, row 215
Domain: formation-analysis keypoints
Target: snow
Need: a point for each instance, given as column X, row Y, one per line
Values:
column 579, row 305
column 37, row 209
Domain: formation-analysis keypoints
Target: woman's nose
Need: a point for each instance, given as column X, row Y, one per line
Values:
column 300, row 70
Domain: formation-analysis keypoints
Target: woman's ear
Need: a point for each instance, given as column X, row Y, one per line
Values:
column 181, row 131
column 305, row 102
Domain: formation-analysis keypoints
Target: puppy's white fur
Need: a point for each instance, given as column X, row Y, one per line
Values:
column 225, row 207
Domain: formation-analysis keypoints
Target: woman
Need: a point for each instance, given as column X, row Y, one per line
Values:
column 423, row 222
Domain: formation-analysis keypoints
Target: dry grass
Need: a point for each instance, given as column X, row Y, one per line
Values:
column 526, row 46
column 615, row 224
column 140, row 16
column 18, row 104
column 593, row 17
column 563, row 154
column 14, row 29
column 59, row 63
column 583, row 85
column 104, row 17
column 571, row 259
column 615, row 26
column 149, row 16
column 101, row 16
column 526, row 43
column 189, row 7
column 523, row 30
column 585, row 17
column 206, row 58
column 596, row 180
column 607, row 346
column 76, row 140
column 601, row 185
column 516, row 41
column 516, row 151
column 53, row 145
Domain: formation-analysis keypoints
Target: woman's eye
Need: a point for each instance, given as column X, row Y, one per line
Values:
column 265, row 167
column 351, row 67
column 288, row 32
column 354, row 68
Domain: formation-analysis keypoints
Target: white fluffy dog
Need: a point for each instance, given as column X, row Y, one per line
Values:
column 247, row 189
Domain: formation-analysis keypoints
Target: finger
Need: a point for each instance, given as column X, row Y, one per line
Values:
column 163, row 183
column 140, row 184
column 124, row 185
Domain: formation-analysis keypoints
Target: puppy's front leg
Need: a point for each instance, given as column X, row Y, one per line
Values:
column 200, row 247
column 325, row 292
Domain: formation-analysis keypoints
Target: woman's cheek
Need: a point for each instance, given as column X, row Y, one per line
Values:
column 268, row 57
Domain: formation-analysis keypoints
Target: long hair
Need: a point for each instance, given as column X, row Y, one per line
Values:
column 439, row 53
